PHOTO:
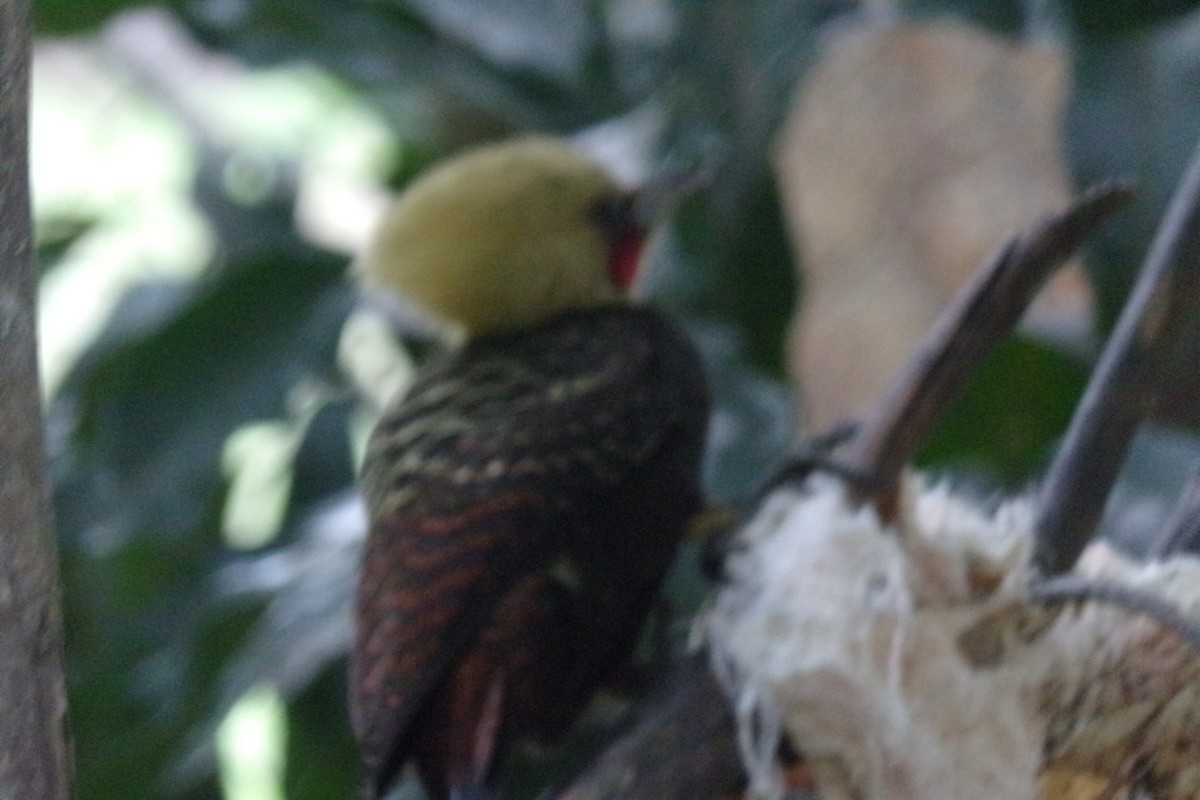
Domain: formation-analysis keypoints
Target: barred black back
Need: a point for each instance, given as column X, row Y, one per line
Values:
column 534, row 480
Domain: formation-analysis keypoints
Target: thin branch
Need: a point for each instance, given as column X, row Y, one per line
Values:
column 1150, row 339
column 34, row 756
column 1074, row 588
column 983, row 314
column 1182, row 532
column 682, row 747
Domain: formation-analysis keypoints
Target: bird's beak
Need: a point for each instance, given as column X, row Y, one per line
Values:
column 662, row 192
column 630, row 217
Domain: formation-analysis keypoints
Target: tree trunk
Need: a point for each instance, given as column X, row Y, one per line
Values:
column 34, row 760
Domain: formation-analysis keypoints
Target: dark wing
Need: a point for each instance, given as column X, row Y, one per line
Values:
column 479, row 476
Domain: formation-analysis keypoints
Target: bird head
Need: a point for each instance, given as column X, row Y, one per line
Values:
column 509, row 235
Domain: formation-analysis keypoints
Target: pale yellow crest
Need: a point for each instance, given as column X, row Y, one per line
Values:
column 498, row 239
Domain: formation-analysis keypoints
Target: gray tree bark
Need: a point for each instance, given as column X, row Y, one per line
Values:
column 34, row 754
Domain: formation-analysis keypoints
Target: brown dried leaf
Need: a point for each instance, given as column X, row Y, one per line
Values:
column 910, row 152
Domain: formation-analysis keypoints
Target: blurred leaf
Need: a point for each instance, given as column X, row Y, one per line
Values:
column 139, row 429
column 1011, row 414
column 153, row 415
column 1134, row 114
column 404, row 55
column 66, row 17
column 1114, row 18
column 56, row 235
column 324, row 464
column 752, row 428
column 144, row 650
column 322, row 757
column 304, row 628
column 1159, row 463
column 552, row 37
column 732, row 68
column 909, row 154
column 1002, row 16
column 1092, row 19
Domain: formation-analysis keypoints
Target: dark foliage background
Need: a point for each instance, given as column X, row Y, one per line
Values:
column 168, row 626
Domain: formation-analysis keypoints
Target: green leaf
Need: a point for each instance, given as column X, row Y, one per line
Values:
column 143, row 647
column 1011, row 414
column 70, row 17
column 154, row 412
column 322, row 757
column 402, row 56
column 139, row 493
column 1107, row 19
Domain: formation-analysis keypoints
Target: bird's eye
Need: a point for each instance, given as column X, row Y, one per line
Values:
column 615, row 217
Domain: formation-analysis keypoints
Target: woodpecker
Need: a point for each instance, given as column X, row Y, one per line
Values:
column 526, row 495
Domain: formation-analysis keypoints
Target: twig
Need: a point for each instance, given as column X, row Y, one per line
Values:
column 982, row 315
column 683, row 747
column 1158, row 321
column 1182, row 532
column 1074, row 588
column 815, row 455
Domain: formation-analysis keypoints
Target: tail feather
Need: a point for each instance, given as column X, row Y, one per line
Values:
column 476, row 791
